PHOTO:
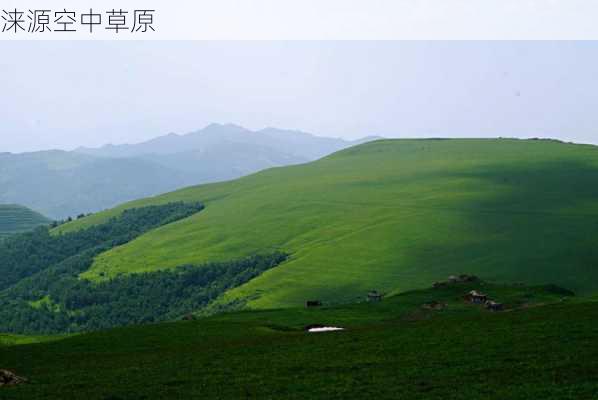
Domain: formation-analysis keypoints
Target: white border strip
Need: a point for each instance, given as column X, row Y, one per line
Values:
column 336, row 19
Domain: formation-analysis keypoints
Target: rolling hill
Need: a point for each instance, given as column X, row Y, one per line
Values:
column 16, row 219
column 391, row 215
column 69, row 183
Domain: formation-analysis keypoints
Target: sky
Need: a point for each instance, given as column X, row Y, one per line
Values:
column 65, row 94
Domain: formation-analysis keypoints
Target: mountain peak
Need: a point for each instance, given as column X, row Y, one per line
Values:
column 285, row 143
column 224, row 127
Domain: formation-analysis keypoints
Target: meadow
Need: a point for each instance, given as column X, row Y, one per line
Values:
column 391, row 215
column 542, row 346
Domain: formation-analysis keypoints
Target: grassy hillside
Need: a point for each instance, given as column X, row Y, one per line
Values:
column 15, row 219
column 391, row 215
column 12, row 340
column 69, row 183
column 389, row 350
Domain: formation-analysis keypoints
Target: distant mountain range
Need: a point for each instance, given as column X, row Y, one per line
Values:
column 60, row 183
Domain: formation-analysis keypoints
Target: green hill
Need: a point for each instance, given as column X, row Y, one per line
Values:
column 68, row 183
column 392, row 215
column 15, row 219
column 394, row 349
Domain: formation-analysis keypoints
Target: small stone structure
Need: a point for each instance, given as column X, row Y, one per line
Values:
column 313, row 303
column 9, row 378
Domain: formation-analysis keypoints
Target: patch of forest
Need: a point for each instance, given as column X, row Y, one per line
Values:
column 38, row 270
column 28, row 253
column 56, row 300
column 41, row 290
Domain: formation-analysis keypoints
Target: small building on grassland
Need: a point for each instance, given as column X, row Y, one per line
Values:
column 375, row 296
column 494, row 306
column 476, row 297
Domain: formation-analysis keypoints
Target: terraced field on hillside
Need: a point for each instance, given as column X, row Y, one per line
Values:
column 16, row 219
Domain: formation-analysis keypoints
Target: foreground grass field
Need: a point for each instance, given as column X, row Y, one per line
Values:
column 391, row 215
column 543, row 347
column 15, row 219
column 11, row 340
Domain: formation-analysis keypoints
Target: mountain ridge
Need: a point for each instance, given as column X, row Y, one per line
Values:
column 172, row 143
column 67, row 183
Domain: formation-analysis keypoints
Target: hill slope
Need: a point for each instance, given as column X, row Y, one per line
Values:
column 61, row 184
column 389, row 215
column 15, row 219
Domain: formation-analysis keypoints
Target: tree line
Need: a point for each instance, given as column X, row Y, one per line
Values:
column 40, row 265
column 25, row 254
column 72, row 304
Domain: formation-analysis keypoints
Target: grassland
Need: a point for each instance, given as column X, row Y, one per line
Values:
column 16, row 219
column 543, row 347
column 392, row 215
column 12, row 340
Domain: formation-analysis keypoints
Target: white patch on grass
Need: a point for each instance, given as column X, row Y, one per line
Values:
column 325, row 329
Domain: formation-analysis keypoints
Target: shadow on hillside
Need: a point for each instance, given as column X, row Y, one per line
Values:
column 538, row 223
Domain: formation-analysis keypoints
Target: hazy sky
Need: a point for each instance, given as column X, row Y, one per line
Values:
column 68, row 94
